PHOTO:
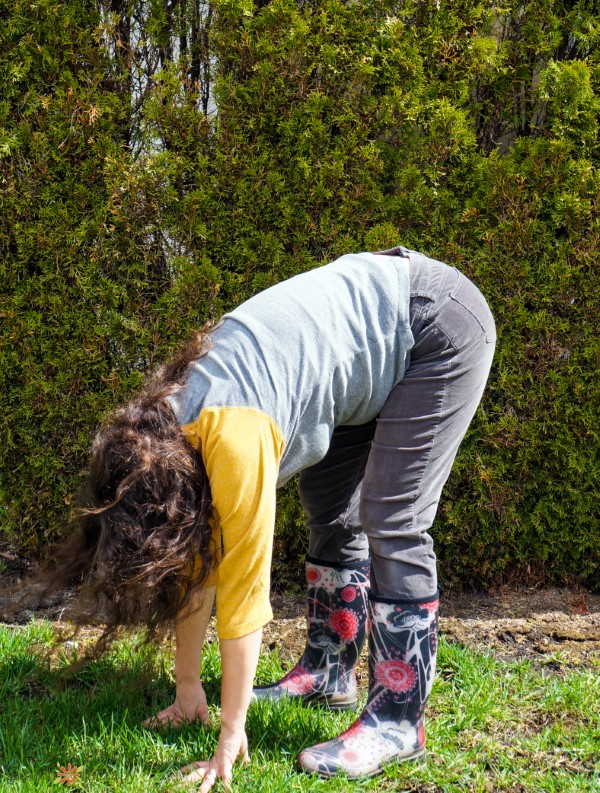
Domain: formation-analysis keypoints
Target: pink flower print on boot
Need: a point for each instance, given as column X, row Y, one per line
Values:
column 398, row 676
column 349, row 593
column 299, row 681
column 344, row 623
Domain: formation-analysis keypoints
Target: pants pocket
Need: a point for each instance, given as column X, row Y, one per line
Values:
column 465, row 318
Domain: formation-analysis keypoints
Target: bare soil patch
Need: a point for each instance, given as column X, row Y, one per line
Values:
column 554, row 628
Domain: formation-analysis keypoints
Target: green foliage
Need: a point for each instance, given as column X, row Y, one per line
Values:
column 572, row 103
column 161, row 163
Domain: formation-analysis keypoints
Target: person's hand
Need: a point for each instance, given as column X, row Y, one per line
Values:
column 190, row 705
column 231, row 746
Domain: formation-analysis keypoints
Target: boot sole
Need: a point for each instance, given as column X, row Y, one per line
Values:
column 330, row 704
column 416, row 757
column 313, row 702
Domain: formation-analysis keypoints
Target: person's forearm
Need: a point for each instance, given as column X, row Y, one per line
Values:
column 239, row 658
column 190, row 631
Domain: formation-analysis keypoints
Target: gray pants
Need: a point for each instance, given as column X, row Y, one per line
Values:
column 377, row 490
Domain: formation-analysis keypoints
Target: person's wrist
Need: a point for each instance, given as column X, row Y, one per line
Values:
column 187, row 679
column 231, row 729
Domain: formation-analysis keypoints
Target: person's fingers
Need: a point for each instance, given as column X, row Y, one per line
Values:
column 192, row 779
column 203, row 715
column 173, row 717
column 220, row 767
column 166, row 718
column 209, row 780
column 197, row 769
column 153, row 722
column 199, row 714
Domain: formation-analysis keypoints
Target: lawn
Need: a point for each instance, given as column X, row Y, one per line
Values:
column 493, row 726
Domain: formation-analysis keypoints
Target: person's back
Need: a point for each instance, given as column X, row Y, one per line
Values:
column 321, row 349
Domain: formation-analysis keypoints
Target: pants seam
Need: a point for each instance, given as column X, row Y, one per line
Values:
column 430, row 450
column 438, row 417
column 344, row 518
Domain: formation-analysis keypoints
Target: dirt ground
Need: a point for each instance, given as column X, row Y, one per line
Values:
column 553, row 628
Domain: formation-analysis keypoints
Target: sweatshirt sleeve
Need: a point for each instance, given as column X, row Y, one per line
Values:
column 241, row 449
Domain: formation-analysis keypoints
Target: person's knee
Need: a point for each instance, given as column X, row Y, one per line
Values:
column 327, row 506
column 403, row 567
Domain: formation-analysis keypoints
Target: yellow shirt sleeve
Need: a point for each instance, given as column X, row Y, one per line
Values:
column 241, row 449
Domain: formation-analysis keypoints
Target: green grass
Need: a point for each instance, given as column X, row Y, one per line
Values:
column 492, row 726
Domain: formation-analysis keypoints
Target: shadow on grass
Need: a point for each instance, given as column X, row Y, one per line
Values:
column 94, row 716
column 491, row 724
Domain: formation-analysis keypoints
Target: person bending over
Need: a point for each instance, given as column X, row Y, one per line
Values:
column 362, row 375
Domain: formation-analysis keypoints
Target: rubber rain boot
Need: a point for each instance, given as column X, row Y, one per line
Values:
column 336, row 616
column 402, row 654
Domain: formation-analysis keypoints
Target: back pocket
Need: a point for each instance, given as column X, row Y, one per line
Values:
column 466, row 318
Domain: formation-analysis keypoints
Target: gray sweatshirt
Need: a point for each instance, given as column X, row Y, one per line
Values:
column 321, row 349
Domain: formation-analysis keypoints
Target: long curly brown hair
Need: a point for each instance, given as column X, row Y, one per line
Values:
column 143, row 539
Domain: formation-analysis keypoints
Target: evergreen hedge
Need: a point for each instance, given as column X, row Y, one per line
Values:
column 161, row 162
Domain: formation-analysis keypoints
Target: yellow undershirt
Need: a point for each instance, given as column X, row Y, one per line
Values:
column 241, row 448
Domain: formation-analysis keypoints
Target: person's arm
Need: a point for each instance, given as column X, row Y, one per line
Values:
column 190, row 631
column 241, row 449
column 239, row 659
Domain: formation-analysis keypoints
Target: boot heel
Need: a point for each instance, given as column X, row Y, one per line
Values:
column 320, row 700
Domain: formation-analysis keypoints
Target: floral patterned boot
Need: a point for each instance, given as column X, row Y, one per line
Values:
column 402, row 653
column 336, row 616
